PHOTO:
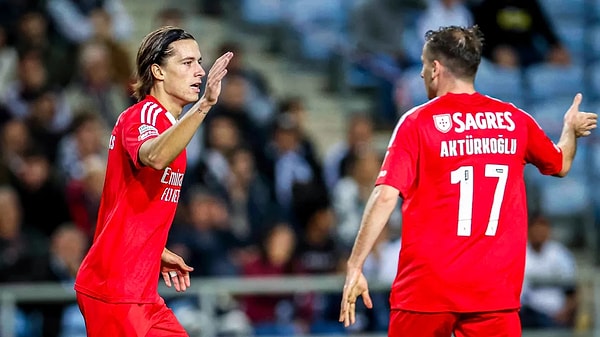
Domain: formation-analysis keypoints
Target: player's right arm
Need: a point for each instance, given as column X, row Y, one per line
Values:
column 160, row 151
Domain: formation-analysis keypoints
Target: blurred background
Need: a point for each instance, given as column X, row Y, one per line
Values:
column 280, row 171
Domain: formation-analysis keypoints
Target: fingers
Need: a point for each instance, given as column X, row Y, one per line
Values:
column 577, row 101
column 167, row 279
column 186, row 279
column 367, row 299
column 220, row 64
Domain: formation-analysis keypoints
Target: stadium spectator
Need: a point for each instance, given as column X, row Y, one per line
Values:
column 476, row 250
column 359, row 137
column 441, row 13
column 380, row 46
column 258, row 97
column 205, row 240
column 273, row 315
column 351, row 193
column 549, row 298
column 95, row 87
column 249, row 196
column 512, row 29
column 87, row 136
column 79, row 21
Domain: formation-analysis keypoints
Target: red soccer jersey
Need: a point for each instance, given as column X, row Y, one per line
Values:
column 137, row 207
column 458, row 163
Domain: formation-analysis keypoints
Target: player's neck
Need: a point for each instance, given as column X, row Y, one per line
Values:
column 167, row 101
column 456, row 87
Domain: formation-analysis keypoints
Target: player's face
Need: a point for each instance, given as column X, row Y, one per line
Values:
column 183, row 71
column 427, row 74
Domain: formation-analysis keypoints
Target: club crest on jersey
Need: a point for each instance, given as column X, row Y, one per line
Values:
column 442, row 122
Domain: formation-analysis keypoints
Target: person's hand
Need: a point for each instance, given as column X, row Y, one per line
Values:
column 213, row 83
column 582, row 123
column 173, row 268
column 355, row 285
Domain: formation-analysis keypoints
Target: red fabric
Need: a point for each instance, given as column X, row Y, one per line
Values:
column 475, row 263
column 137, row 207
column 128, row 320
column 489, row 324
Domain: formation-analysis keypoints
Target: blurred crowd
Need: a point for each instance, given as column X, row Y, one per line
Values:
column 258, row 198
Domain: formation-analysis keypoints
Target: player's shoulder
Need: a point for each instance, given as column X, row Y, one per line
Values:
column 145, row 111
column 416, row 112
column 499, row 104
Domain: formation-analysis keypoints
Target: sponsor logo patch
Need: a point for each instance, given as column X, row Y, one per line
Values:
column 146, row 131
column 442, row 122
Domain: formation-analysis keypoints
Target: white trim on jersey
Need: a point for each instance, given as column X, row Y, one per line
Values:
column 156, row 112
column 171, row 117
column 143, row 112
column 150, row 113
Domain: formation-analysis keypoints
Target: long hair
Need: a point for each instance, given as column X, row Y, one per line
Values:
column 155, row 48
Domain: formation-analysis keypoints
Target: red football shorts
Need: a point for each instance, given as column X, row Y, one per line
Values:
column 128, row 320
column 485, row 324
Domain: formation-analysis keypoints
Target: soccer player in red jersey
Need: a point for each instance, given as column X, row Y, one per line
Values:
column 457, row 161
column 117, row 283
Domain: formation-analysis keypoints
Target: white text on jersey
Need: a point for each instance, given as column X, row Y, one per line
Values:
column 473, row 146
column 172, row 178
column 483, row 121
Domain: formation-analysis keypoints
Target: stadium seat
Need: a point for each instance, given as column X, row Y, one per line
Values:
column 261, row 12
column 501, row 83
column 594, row 73
column 558, row 10
column 593, row 43
column 546, row 81
column 317, row 26
column 549, row 114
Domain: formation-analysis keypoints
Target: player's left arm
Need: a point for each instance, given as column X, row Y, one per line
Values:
column 576, row 124
column 173, row 268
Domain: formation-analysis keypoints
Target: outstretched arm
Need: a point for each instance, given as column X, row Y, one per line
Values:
column 159, row 152
column 576, row 124
column 380, row 206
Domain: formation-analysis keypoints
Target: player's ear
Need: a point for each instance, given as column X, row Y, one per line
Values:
column 435, row 69
column 157, row 72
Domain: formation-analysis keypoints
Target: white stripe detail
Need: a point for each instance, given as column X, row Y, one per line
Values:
column 156, row 112
column 149, row 113
column 171, row 117
column 142, row 120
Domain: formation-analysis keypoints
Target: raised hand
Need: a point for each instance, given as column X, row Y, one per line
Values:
column 582, row 122
column 216, row 73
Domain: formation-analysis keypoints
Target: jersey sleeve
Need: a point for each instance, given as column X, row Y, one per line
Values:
column 136, row 132
column 400, row 163
column 541, row 151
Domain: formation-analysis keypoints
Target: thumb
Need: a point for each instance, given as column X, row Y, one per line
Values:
column 577, row 101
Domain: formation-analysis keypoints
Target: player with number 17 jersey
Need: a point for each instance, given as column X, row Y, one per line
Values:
column 140, row 198
column 458, row 162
